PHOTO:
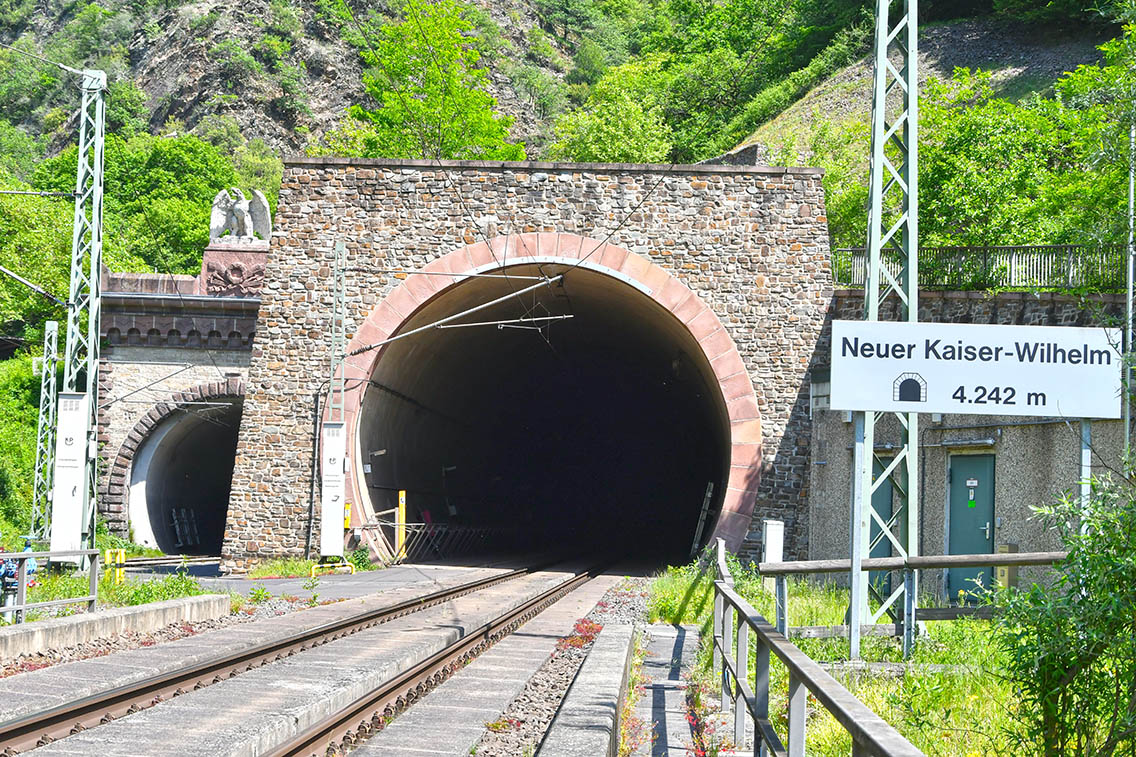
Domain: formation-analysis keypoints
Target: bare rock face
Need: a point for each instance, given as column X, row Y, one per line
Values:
column 206, row 58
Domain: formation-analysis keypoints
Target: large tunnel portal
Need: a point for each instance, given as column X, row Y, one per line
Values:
column 600, row 430
column 181, row 476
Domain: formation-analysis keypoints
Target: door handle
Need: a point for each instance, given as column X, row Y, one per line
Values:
column 986, row 529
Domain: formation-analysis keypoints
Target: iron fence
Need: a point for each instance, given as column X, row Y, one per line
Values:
column 1045, row 266
column 734, row 618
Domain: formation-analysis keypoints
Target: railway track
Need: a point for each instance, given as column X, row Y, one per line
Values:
column 45, row 726
column 342, row 730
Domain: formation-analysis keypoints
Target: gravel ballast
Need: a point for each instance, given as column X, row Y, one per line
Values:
column 526, row 720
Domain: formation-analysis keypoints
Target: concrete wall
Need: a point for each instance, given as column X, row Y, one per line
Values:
column 751, row 242
column 1035, row 460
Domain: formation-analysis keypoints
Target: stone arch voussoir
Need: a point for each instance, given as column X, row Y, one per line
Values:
column 651, row 279
column 116, row 497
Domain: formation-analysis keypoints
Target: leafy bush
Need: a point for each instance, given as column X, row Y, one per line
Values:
column 126, row 112
column 540, row 49
column 292, row 102
column 543, row 90
column 272, row 50
column 19, row 401
column 361, row 559
column 236, row 64
column 284, row 20
column 1071, row 646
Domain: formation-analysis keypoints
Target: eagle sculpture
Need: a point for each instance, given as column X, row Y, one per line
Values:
column 238, row 219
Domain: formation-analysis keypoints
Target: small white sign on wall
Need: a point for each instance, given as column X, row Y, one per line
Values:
column 976, row 369
column 332, row 488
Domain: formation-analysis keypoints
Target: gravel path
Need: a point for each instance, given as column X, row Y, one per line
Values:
column 523, row 724
column 131, row 640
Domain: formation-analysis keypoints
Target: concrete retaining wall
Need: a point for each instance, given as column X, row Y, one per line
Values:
column 587, row 724
column 56, row 633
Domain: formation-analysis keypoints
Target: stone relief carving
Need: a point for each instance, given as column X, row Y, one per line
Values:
column 235, row 278
column 237, row 219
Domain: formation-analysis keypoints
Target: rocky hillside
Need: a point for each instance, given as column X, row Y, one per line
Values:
column 1023, row 59
column 282, row 69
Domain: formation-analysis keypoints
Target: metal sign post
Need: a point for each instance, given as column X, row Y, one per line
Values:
column 893, row 242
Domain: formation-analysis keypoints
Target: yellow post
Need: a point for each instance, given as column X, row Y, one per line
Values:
column 120, row 571
column 346, row 516
column 400, row 526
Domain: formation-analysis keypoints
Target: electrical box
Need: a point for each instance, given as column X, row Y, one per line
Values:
column 1006, row 575
column 333, row 487
column 70, row 493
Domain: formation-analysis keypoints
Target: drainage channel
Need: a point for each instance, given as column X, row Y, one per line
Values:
column 45, row 726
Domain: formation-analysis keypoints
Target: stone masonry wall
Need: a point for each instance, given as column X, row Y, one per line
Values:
column 752, row 242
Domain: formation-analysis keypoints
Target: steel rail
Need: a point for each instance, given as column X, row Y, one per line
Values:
column 371, row 711
column 43, row 727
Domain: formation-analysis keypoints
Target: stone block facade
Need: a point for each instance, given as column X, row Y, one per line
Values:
column 751, row 242
column 170, row 340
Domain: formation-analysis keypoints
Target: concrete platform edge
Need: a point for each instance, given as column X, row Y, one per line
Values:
column 587, row 723
column 55, row 633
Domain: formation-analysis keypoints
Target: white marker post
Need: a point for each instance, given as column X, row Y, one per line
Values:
column 332, row 488
column 70, row 491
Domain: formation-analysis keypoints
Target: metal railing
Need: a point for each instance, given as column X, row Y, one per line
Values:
column 426, row 541
column 1053, row 266
column 734, row 618
column 780, row 571
column 21, row 558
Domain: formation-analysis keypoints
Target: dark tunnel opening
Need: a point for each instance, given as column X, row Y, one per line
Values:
column 181, row 476
column 598, row 433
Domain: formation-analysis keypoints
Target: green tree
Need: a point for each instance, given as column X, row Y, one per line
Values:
column 998, row 172
column 126, row 112
column 159, row 193
column 19, row 151
column 19, row 401
column 35, row 242
column 1071, row 646
column 433, row 97
column 618, row 130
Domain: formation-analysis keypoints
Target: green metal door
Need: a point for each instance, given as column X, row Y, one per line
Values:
column 882, row 502
column 971, row 515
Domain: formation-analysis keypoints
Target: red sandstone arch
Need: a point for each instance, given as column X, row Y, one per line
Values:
column 649, row 279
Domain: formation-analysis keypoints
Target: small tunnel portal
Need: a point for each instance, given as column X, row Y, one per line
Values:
column 597, row 432
column 181, row 476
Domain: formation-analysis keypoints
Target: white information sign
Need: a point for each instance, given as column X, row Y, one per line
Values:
column 976, row 369
column 332, row 489
column 69, row 491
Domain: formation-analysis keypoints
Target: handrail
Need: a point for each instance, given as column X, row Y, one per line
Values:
column 871, row 735
column 21, row 559
column 908, row 565
column 912, row 563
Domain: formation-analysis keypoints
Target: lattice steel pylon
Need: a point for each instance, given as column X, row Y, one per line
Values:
column 81, row 358
column 45, row 433
column 893, row 270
